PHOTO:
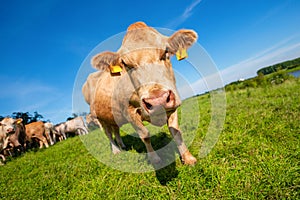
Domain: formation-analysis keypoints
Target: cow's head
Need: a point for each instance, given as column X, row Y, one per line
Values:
column 8, row 125
column 145, row 57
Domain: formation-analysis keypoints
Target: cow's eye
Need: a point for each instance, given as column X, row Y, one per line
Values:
column 165, row 55
column 126, row 66
column 123, row 63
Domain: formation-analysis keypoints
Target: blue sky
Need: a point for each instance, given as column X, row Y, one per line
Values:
column 44, row 43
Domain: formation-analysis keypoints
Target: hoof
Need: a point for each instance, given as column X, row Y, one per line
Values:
column 154, row 158
column 115, row 149
column 188, row 158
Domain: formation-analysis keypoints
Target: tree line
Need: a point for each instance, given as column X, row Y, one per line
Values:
column 26, row 116
column 290, row 64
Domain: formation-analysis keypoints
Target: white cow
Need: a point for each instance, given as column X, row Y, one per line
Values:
column 8, row 127
column 92, row 121
column 75, row 125
column 49, row 132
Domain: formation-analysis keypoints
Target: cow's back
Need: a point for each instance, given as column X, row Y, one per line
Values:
column 74, row 124
column 35, row 128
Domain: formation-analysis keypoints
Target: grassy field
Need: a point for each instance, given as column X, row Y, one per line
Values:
column 256, row 157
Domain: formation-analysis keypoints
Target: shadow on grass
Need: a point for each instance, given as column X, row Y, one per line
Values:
column 165, row 147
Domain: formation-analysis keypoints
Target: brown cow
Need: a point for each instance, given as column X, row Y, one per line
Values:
column 36, row 130
column 136, row 84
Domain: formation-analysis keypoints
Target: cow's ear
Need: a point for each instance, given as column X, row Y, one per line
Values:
column 102, row 61
column 19, row 120
column 181, row 39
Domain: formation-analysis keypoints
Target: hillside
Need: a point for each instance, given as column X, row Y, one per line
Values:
column 256, row 157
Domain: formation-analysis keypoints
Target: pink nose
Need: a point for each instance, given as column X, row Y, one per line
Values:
column 165, row 99
column 10, row 130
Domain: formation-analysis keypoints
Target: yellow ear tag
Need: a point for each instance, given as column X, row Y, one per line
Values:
column 181, row 54
column 115, row 69
column 19, row 122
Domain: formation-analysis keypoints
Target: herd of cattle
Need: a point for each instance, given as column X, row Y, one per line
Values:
column 16, row 138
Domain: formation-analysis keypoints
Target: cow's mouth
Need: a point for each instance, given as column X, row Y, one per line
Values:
column 10, row 132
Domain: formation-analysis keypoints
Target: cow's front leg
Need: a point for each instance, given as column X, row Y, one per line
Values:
column 145, row 137
column 144, row 134
column 186, row 156
column 3, row 159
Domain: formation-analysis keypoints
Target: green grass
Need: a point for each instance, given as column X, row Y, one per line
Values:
column 256, row 157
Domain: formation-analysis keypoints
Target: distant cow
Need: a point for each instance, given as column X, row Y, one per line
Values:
column 36, row 130
column 49, row 132
column 92, row 121
column 75, row 125
column 11, row 131
column 137, row 83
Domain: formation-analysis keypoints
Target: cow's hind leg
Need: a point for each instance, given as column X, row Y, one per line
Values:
column 118, row 137
column 79, row 131
column 85, row 129
column 64, row 136
column 108, row 131
column 43, row 140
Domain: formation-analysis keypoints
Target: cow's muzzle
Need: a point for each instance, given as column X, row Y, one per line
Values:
column 10, row 131
column 160, row 100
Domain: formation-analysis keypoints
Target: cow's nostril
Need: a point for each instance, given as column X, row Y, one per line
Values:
column 168, row 98
column 10, row 130
column 148, row 105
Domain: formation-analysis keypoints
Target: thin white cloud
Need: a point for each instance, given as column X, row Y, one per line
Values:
column 23, row 95
column 273, row 11
column 188, row 11
column 58, row 115
column 21, row 88
column 184, row 16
